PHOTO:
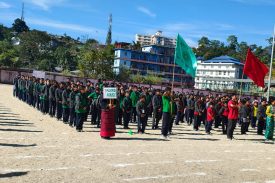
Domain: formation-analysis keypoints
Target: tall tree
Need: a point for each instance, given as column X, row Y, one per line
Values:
column 20, row 26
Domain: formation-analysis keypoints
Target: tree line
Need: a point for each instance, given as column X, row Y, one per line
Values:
column 21, row 47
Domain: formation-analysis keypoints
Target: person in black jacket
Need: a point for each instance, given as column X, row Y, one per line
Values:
column 141, row 113
column 65, row 103
column 52, row 101
column 261, row 115
column 58, row 98
column 157, row 109
column 126, row 109
column 245, row 112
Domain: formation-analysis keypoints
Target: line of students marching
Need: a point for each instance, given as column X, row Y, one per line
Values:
column 73, row 102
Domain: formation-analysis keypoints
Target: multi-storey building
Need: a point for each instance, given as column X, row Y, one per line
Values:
column 218, row 73
column 153, row 59
column 156, row 39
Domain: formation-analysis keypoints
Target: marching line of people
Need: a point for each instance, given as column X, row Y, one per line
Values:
column 72, row 102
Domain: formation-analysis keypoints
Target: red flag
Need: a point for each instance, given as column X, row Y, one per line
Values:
column 255, row 69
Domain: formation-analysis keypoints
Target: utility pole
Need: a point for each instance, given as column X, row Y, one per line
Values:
column 109, row 34
column 23, row 11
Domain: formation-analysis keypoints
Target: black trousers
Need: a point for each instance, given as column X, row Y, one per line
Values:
column 58, row 110
column 261, row 125
column 165, row 123
column 45, row 106
column 217, row 121
column 134, row 115
column 65, row 114
column 80, row 117
column 231, row 127
column 208, row 126
column 197, row 121
column 141, row 124
column 52, row 107
column 172, row 118
column 156, row 118
column 224, row 124
column 190, row 116
column 96, row 115
column 244, row 127
column 126, row 119
column 119, row 117
column 72, row 116
column 178, row 117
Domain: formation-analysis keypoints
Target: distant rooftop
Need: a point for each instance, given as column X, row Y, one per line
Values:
column 224, row 59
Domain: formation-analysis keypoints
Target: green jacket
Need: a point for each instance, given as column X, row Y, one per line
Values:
column 166, row 104
column 134, row 97
column 80, row 103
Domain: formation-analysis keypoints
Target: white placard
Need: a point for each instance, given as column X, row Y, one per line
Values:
column 109, row 93
column 38, row 74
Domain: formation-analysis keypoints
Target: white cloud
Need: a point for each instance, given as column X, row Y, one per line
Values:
column 45, row 4
column 64, row 26
column 146, row 11
column 4, row 5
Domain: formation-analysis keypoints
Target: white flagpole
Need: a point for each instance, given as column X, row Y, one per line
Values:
column 270, row 67
column 174, row 68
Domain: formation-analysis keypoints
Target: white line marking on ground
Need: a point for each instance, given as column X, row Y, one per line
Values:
column 201, row 161
column 164, row 177
column 122, row 165
column 270, row 181
column 249, row 170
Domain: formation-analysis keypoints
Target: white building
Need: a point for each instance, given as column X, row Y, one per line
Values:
column 218, row 73
column 156, row 39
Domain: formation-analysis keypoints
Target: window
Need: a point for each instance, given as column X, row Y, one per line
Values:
column 224, row 73
column 125, row 53
column 220, row 72
column 212, row 66
column 219, row 66
column 124, row 62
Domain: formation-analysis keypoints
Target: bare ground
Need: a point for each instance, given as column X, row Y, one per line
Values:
column 37, row 148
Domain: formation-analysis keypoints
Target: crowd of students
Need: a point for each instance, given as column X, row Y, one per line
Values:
column 72, row 102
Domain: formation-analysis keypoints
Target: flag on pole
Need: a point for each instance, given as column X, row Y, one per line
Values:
column 255, row 69
column 185, row 58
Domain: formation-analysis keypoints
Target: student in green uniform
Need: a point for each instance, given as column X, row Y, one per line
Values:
column 80, row 108
column 134, row 98
column 65, row 103
column 120, row 112
column 95, row 107
column 166, row 109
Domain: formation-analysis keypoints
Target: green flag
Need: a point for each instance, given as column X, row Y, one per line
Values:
column 185, row 58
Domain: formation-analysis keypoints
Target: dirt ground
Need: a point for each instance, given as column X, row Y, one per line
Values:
column 37, row 148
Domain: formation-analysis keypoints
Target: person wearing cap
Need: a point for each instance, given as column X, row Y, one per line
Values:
column 261, row 116
column 80, row 108
column 166, row 112
column 141, row 114
column 270, row 113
